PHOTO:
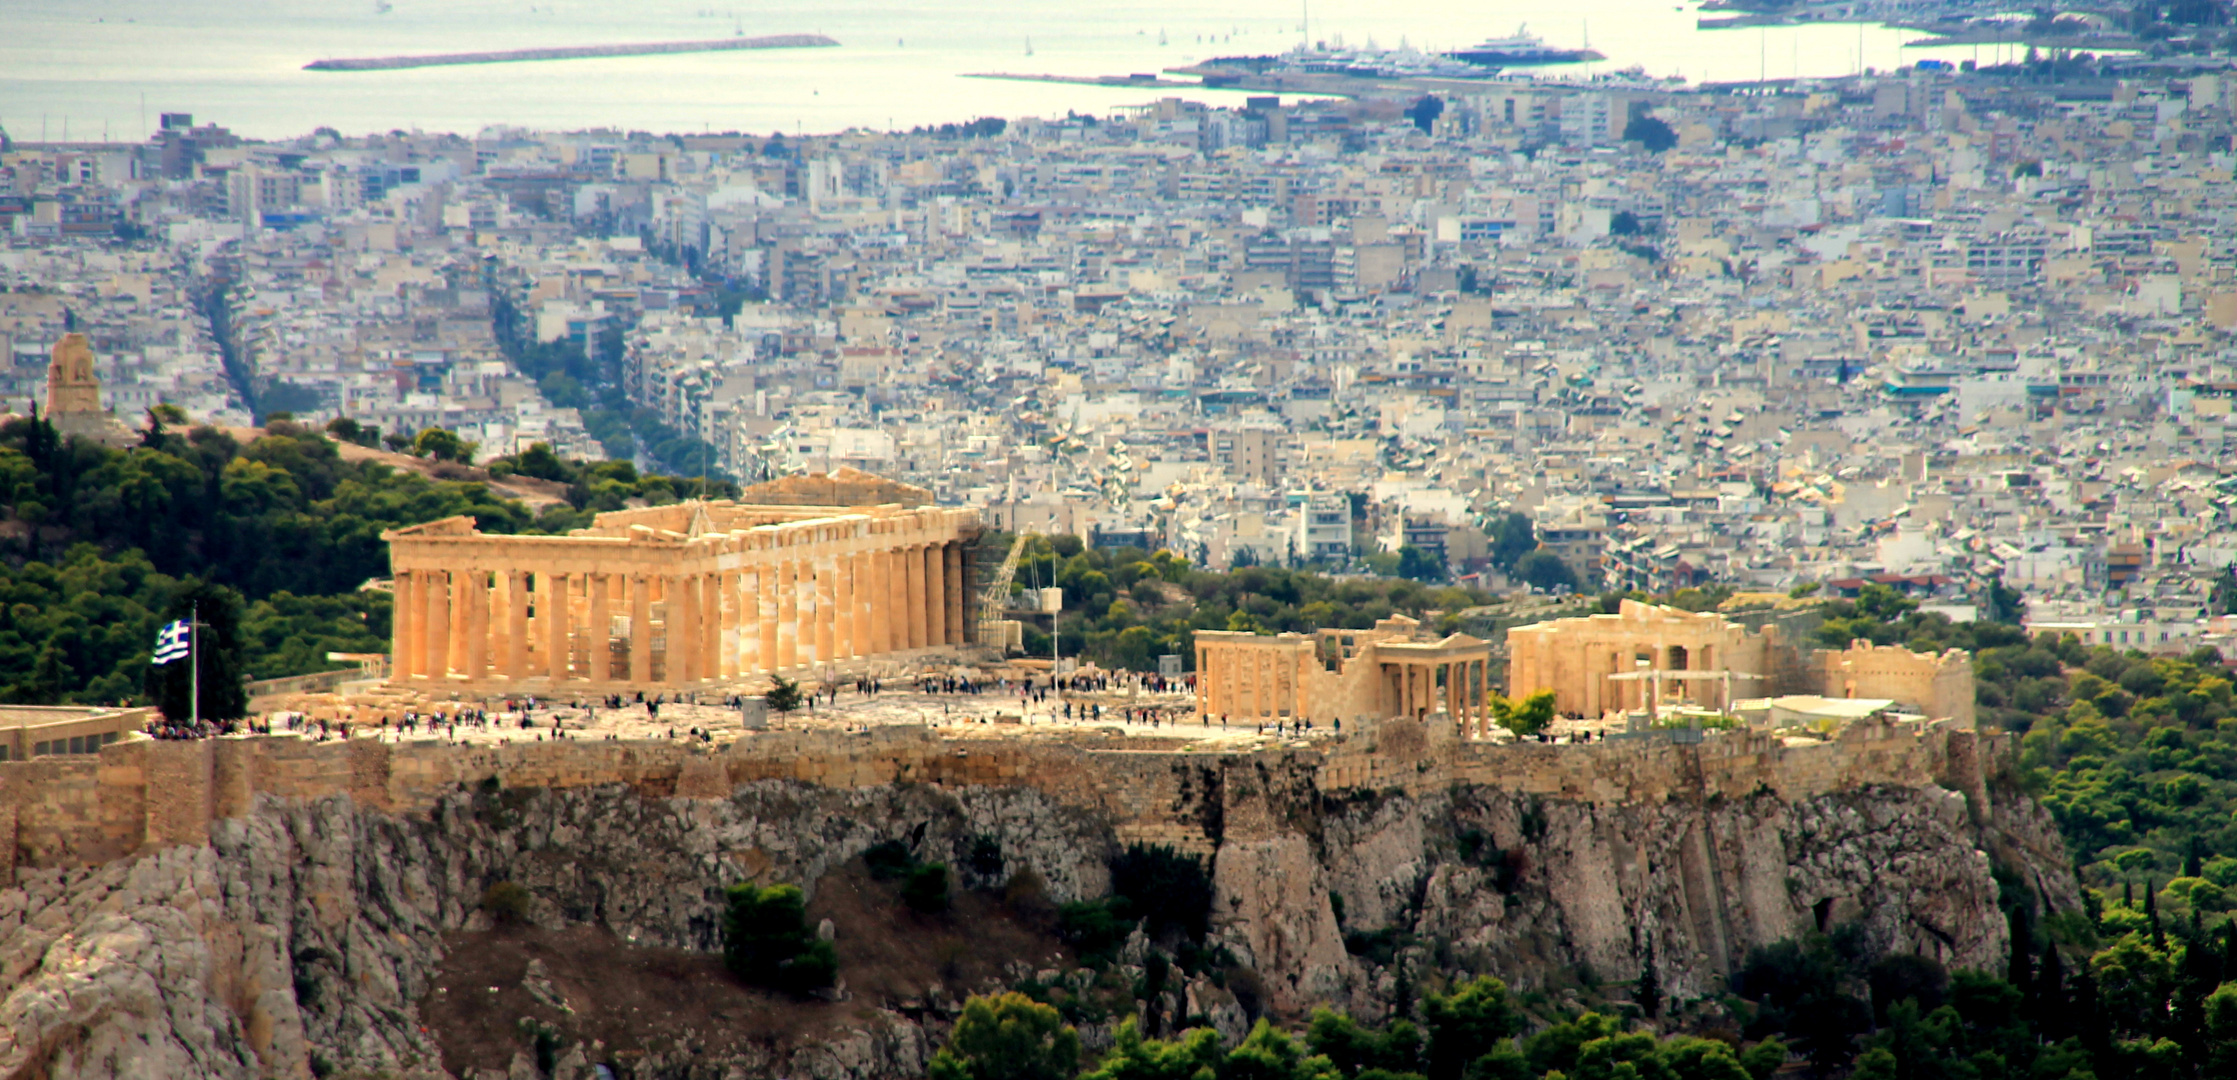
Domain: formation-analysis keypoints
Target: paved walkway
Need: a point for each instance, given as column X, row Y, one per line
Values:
column 989, row 715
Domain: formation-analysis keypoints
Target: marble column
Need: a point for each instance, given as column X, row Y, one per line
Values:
column 601, row 635
column 958, row 591
column 640, row 629
column 516, row 625
column 826, row 594
column 912, row 567
column 765, row 625
column 403, row 627
column 555, row 607
column 438, row 635
column 842, row 609
column 865, row 632
column 788, row 611
column 681, row 664
column 883, row 593
column 935, row 596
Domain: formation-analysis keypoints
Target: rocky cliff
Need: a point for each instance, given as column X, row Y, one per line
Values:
column 304, row 939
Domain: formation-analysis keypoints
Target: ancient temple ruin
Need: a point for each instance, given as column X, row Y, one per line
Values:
column 1393, row 669
column 689, row 595
column 1647, row 658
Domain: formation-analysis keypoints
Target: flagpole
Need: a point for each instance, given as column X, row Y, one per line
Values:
column 194, row 664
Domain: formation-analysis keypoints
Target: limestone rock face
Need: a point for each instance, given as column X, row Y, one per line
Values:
column 1515, row 886
column 1270, row 906
column 300, row 940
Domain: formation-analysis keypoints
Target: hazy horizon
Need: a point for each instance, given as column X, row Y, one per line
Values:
column 90, row 64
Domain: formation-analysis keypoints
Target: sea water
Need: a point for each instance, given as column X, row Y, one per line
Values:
column 95, row 69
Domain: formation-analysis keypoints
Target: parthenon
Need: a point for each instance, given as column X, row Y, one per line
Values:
column 694, row 594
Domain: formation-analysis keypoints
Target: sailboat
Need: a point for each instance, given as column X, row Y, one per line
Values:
column 1028, row 46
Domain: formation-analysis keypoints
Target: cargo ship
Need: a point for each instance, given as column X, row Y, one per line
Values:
column 1522, row 50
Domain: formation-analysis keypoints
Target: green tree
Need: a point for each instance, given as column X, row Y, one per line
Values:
column 1651, row 133
column 1525, row 718
column 1466, row 1024
column 1545, row 571
column 439, row 444
column 2221, row 1030
column 350, row 431
column 1418, row 565
column 538, row 461
column 1268, row 1053
column 784, row 694
column 1008, row 1037
column 217, row 658
column 1193, row 1056
column 1512, row 537
column 2000, row 603
column 767, row 942
column 926, row 890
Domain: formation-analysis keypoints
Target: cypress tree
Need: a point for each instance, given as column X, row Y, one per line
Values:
column 1648, row 993
column 2021, row 972
column 2050, row 992
column 2151, row 911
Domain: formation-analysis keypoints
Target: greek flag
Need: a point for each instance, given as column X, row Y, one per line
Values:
column 171, row 642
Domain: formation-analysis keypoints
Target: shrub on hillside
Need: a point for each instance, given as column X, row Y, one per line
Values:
column 508, row 904
column 767, row 941
column 926, row 890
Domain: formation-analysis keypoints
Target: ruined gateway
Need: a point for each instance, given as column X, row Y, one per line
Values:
column 271, row 908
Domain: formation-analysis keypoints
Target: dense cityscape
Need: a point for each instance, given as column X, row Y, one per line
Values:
column 1949, row 330
column 1562, row 578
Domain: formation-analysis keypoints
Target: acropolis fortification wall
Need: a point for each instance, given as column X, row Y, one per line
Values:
column 143, row 795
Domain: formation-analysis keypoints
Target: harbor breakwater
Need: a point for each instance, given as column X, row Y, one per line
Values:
column 576, row 52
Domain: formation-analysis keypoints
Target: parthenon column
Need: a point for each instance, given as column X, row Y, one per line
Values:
column 729, row 599
column 403, row 621
column 681, row 665
column 601, row 636
column 845, row 643
column 957, row 590
column 516, row 625
column 766, row 624
column 640, row 628
column 892, row 628
column 912, row 566
column 935, row 595
column 788, row 611
column 477, row 625
column 748, row 599
column 804, row 600
column 555, row 608
column 865, row 633
column 827, row 604
column 461, row 614
column 437, row 637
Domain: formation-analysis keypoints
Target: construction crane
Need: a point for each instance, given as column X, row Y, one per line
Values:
column 996, row 599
